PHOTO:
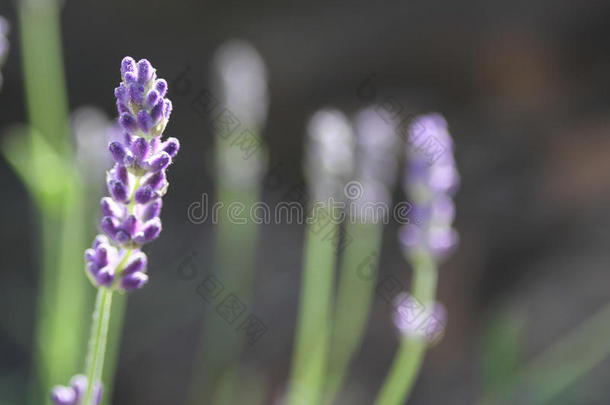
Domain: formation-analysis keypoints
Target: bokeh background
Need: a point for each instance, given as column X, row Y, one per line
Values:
column 525, row 88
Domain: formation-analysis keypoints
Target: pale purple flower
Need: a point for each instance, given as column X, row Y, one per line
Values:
column 430, row 186
column 415, row 319
column 74, row 393
column 136, row 183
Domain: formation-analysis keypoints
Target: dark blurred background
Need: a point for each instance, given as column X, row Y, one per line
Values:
column 525, row 88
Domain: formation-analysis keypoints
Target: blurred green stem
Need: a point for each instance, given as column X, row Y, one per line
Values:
column 354, row 297
column 561, row 364
column 407, row 362
column 62, row 294
column 313, row 329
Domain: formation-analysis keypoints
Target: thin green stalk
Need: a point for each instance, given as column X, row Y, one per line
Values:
column 313, row 329
column 407, row 362
column 97, row 342
column 561, row 364
column 354, row 297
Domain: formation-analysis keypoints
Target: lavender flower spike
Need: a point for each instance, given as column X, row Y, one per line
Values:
column 430, row 186
column 136, row 183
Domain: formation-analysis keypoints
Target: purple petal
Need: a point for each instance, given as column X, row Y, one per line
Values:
column 110, row 225
column 61, row 395
column 118, row 191
column 145, row 71
column 152, row 210
column 140, row 148
column 117, row 150
column 145, row 122
column 133, row 281
column 171, row 146
column 136, row 263
column 129, row 123
column 111, row 208
column 161, row 87
column 151, row 230
column 159, row 162
column 144, row 194
column 128, row 64
column 105, row 276
column 151, row 98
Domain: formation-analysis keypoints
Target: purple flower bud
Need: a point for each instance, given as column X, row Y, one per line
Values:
column 122, row 94
column 120, row 173
column 110, row 225
column 122, row 237
column 128, row 64
column 152, row 210
column 140, row 148
column 130, row 225
column 136, row 93
column 144, row 194
column 79, row 385
column 61, row 395
column 99, row 240
column 145, row 71
column 118, row 191
column 145, row 122
column 137, row 263
column 171, row 146
column 156, row 113
column 442, row 241
column 161, row 87
column 159, row 161
column 130, row 77
column 111, row 208
column 150, row 231
column 156, row 179
column 105, row 276
column 122, row 108
column 151, row 98
column 117, row 150
column 129, row 123
column 133, row 281
column 167, row 109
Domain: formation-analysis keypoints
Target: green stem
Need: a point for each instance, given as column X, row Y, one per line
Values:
column 313, row 329
column 354, row 297
column 97, row 342
column 407, row 362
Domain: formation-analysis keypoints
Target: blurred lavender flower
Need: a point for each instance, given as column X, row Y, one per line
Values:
column 75, row 392
column 4, row 28
column 415, row 320
column 137, row 181
column 92, row 130
column 240, row 81
column 430, row 189
column 376, row 163
column 330, row 153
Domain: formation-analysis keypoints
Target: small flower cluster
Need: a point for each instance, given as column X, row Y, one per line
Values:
column 416, row 320
column 75, row 392
column 4, row 27
column 136, row 183
column 430, row 188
